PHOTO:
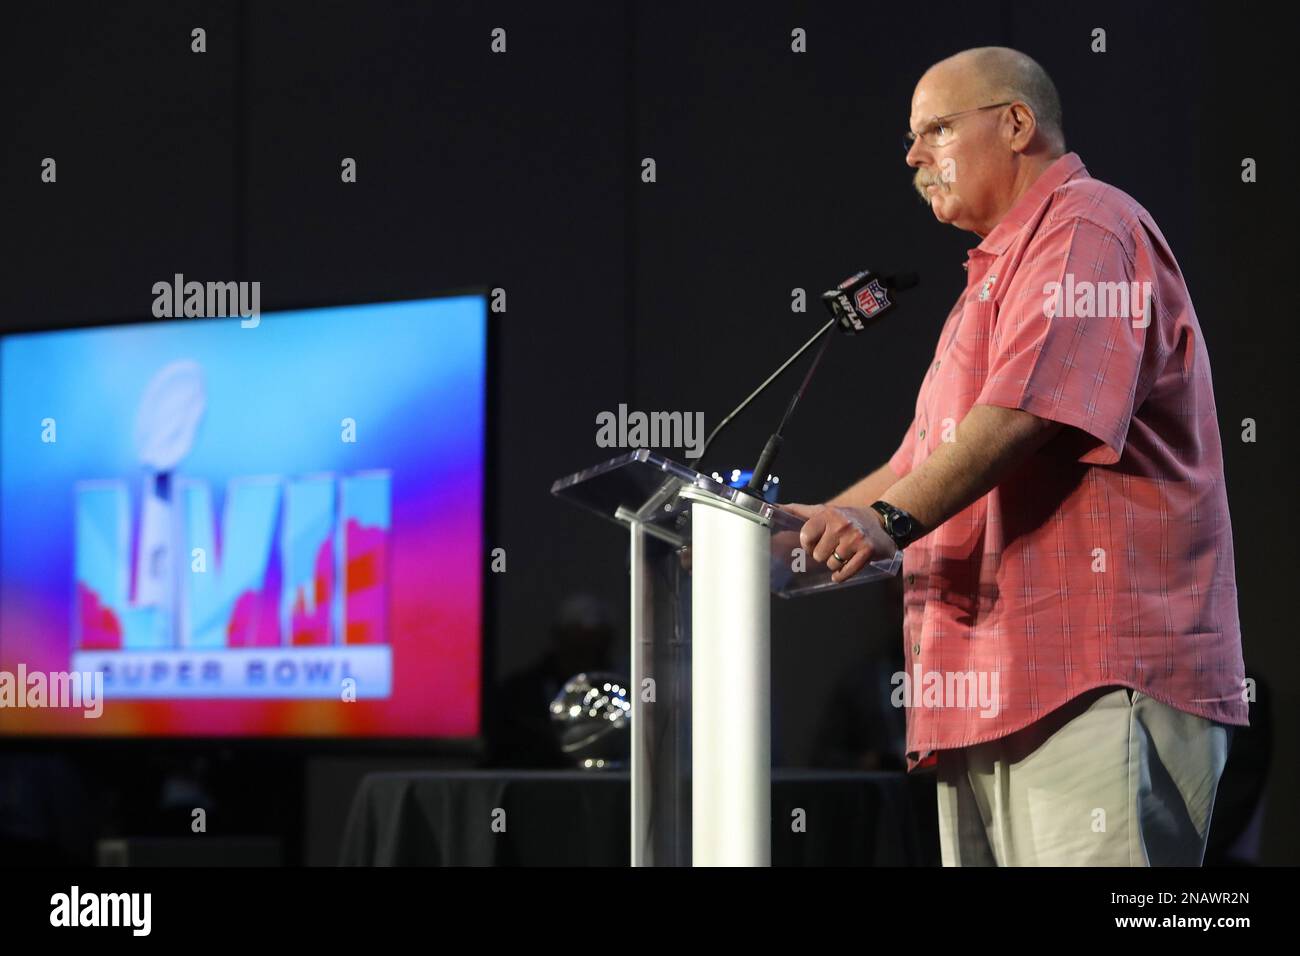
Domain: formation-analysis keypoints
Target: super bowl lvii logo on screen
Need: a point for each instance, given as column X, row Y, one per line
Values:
column 284, row 597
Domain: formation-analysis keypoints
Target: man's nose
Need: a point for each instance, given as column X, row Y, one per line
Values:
column 917, row 154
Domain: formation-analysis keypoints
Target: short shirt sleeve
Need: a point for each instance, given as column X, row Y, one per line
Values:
column 1071, row 339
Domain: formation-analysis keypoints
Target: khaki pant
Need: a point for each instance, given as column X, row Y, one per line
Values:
column 1113, row 778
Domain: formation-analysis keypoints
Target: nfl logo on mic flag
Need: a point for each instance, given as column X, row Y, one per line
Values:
column 872, row 298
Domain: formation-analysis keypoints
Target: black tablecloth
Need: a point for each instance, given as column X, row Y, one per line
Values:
column 578, row 818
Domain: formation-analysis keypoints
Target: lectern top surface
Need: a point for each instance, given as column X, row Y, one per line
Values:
column 655, row 493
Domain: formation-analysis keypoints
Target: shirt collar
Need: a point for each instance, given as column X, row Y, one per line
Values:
column 1061, row 171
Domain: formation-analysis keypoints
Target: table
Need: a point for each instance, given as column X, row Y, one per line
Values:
column 580, row 818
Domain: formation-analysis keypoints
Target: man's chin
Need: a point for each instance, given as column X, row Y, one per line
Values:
column 941, row 202
column 943, row 210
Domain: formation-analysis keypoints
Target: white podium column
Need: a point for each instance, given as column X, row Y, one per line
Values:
column 731, row 725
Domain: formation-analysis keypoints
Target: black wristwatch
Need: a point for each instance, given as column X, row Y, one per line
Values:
column 899, row 525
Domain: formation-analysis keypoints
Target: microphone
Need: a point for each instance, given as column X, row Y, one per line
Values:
column 862, row 299
column 855, row 303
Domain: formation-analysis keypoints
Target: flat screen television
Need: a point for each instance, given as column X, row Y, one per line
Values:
column 269, row 531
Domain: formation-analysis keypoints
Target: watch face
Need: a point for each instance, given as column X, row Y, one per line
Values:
column 900, row 525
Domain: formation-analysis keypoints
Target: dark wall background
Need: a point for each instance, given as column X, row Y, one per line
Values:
column 522, row 170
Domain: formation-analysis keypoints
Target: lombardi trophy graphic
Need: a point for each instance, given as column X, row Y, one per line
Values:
column 165, row 423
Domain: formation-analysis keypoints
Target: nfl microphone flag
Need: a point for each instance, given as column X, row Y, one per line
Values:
column 863, row 298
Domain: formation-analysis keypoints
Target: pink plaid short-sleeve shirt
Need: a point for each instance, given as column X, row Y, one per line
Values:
column 1106, row 558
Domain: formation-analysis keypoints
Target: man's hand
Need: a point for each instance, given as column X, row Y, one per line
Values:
column 844, row 539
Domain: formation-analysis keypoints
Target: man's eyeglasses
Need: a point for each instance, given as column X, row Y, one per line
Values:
column 939, row 132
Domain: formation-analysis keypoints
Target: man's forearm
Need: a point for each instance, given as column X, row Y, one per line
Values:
column 869, row 489
column 990, row 442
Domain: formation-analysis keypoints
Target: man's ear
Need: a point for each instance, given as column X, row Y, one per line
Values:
column 1023, row 126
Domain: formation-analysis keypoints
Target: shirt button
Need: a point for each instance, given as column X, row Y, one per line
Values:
column 921, row 434
column 911, row 579
column 936, row 365
column 916, row 649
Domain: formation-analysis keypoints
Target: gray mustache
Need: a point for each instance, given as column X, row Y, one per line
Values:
column 920, row 182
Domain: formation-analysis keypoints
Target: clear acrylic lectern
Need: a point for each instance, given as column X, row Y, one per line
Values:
column 704, row 559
